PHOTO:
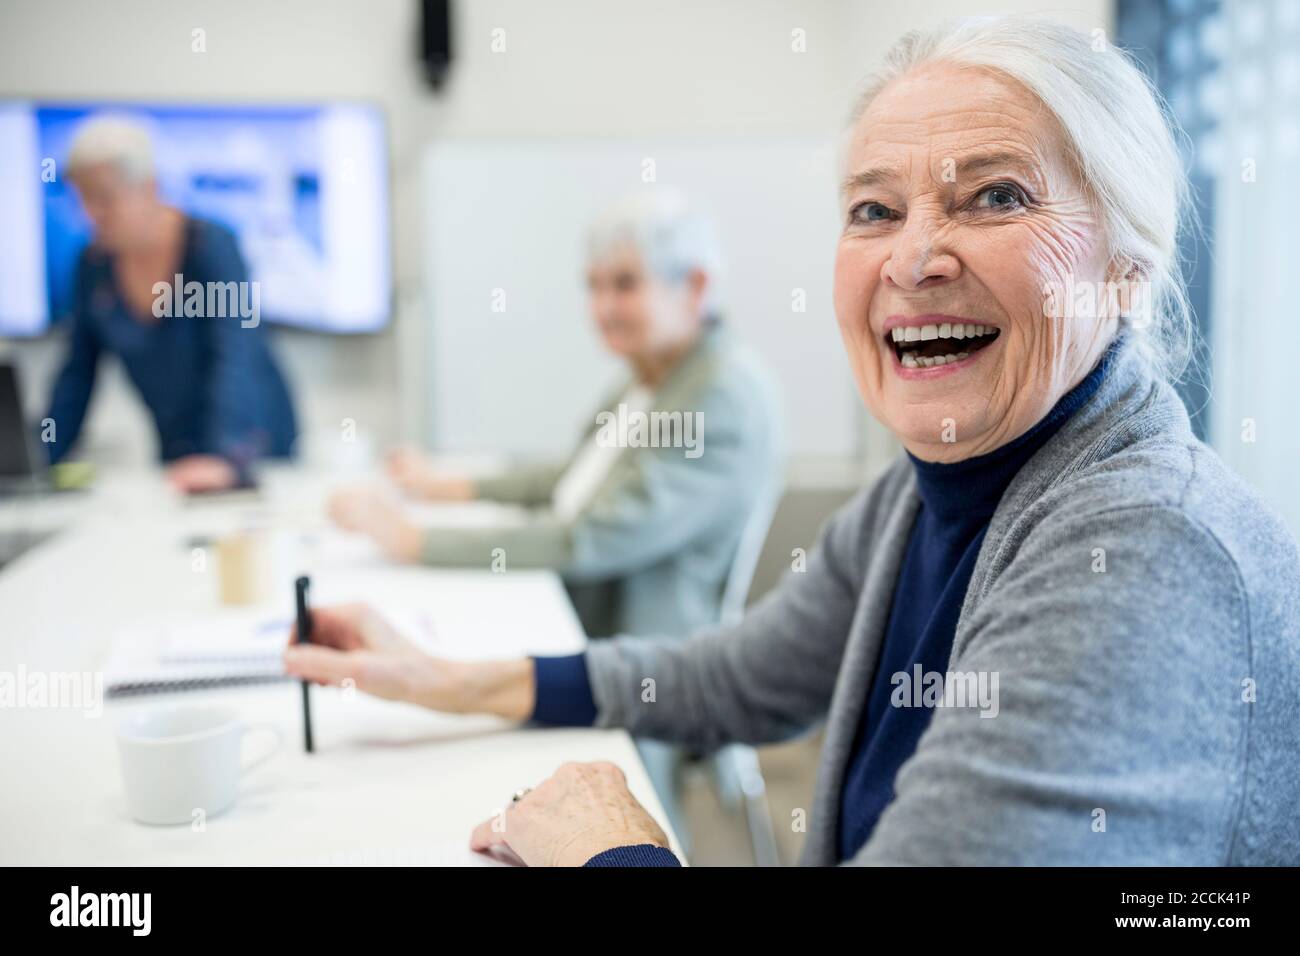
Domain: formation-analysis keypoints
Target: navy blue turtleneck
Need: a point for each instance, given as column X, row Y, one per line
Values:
column 957, row 503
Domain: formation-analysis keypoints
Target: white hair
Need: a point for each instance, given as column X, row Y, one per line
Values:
column 1119, row 136
column 117, row 141
column 672, row 239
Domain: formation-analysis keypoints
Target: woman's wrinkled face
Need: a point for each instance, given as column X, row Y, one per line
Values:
column 962, row 216
column 637, row 313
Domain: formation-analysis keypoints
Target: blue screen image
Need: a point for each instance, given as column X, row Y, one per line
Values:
column 303, row 188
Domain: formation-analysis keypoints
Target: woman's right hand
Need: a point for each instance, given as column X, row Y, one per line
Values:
column 417, row 476
column 354, row 642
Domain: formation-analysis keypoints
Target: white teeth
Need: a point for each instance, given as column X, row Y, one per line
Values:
column 911, row 360
column 948, row 330
column 928, row 333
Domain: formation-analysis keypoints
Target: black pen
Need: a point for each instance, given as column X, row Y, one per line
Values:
column 304, row 637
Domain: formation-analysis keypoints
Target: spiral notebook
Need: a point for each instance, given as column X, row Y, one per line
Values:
column 225, row 650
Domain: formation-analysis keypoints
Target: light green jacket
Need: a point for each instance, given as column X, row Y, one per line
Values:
column 651, row 550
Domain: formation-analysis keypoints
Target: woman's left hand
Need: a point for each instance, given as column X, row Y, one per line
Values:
column 581, row 810
column 367, row 509
column 196, row 474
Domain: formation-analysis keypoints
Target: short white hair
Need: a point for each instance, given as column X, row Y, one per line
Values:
column 1120, row 138
column 672, row 239
column 116, row 141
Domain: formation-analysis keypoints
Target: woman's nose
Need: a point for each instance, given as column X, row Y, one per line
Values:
column 920, row 256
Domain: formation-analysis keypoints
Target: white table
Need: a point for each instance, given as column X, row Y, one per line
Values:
column 389, row 783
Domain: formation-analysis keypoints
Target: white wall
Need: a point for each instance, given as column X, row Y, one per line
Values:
column 571, row 67
column 525, row 316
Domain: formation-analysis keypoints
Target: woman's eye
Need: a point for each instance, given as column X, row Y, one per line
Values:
column 1000, row 197
column 872, row 212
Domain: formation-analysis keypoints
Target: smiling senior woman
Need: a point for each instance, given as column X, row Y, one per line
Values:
column 1057, row 630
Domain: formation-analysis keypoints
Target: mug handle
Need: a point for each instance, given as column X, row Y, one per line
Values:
column 264, row 728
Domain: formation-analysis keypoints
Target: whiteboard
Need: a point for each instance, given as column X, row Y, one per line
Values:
column 505, row 223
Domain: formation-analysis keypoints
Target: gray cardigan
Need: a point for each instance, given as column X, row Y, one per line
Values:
column 1140, row 608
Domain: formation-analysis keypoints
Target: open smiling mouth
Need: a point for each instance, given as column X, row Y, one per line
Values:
column 927, row 346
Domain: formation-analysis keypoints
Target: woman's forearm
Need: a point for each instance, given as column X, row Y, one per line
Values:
column 504, row 688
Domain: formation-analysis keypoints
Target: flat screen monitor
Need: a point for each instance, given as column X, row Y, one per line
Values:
column 304, row 188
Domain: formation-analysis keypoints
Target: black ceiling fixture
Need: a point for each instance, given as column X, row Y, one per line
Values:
column 435, row 41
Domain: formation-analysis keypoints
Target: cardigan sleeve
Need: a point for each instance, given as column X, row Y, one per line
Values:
column 527, row 485
column 642, row 854
column 766, row 679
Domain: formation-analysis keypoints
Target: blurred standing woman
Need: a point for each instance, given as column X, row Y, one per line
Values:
column 217, row 398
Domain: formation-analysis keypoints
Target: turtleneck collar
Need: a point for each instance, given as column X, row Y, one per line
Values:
column 969, row 490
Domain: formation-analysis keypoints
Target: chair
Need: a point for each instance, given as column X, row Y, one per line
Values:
column 736, row 768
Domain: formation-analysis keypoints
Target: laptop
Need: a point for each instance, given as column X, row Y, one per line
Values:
column 22, row 464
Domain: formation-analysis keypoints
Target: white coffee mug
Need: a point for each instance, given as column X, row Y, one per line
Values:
column 183, row 763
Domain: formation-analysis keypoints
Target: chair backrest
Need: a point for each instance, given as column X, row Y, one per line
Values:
column 735, row 590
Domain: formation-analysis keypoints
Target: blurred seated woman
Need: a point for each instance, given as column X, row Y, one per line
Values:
column 643, row 536
column 216, row 395
column 1058, row 630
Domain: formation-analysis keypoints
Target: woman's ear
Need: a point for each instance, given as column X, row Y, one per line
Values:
column 1125, row 283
